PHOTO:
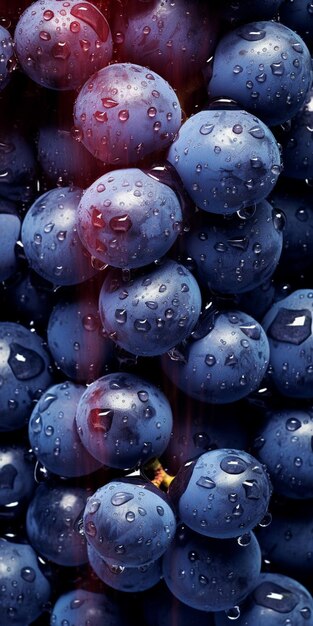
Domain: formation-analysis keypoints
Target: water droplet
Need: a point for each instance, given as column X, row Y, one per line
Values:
column 233, row 613
column 278, row 69
column 120, row 223
column 101, row 419
column 291, row 326
column 101, row 116
column 61, row 50
column 89, row 14
column 292, row 424
column 48, row 15
column 210, row 360
column 93, row 506
column 123, row 115
column 232, row 464
column 44, row 36
column 24, row 362
column 251, row 34
column 252, row 489
column 257, row 132
column 142, row 325
column 160, row 510
column 251, row 330
column 240, row 243
column 237, row 129
column 272, row 596
column 121, row 316
column 130, row 516
column 206, row 482
column 244, row 540
column 121, row 497
column 206, row 129
column 28, row 574
column 143, row 396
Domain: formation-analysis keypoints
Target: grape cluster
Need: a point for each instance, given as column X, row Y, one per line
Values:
column 156, row 339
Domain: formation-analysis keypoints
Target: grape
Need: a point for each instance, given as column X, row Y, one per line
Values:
column 53, row 522
column 53, row 435
column 284, row 445
column 81, row 606
column 150, row 313
column 24, row 589
column 144, row 522
column 227, row 159
column 222, row 493
column 24, row 374
column 10, row 226
column 60, row 45
column 123, row 420
column 265, row 67
column 288, row 325
column 17, row 481
column 211, row 574
column 127, row 219
column 125, row 112
column 225, row 359
column 276, row 600
column 234, row 255
column 75, row 338
column 49, row 235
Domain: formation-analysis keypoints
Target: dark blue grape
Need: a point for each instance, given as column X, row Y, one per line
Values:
column 24, row 373
column 277, row 600
column 223, row 493
column 51, row 243
column 60, row 45
column 18, row 166
column 227, row 160
column 54, row 523
column 174, row 39
column 287, row 542
column 125, row 113
column 295, row 140
column 284, row 444
column 129, row 522
column 80, row 606
column 199, row 427
column 53, row 434
column 235, row 255
column 29, row 299
column 298, row 15
column 75, row 337
column 7, row 57
column 10, row 226
column 295, row 201
column 149, row 314
column 124, row 420
column 224, row 360
column 127, row 579
column 288, row 325
column 25, row 591
column 211, row 574
column 17, row 482
column 55, row 143
column 265, row 67
column 241, row 11
column 128, row 219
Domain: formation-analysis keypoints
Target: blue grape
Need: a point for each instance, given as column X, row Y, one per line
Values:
column 60, row 45
column 124, row 420
column 128, row 219
column 17, row 482
column 7, row 57
column 265, row 67
column 75, row 338
column 173, row 39
column 277, row 600
column 227, row 159
column 224, row 360
column 211, row 574
column 25, row 592
column 288, row 324
column 125, row 112
column 149, row 314
column 199, row 427
column 17, row 164
column 234, row 255
column 81, row 606
column 24, row 373
column 53, row 522
column 10, row 226
column 51, row 243
column 129, row 522
column 284, row 445
column 127, row 579
column 287, row 542
column 298, row 15
column 53, row 435
column 222, row 493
